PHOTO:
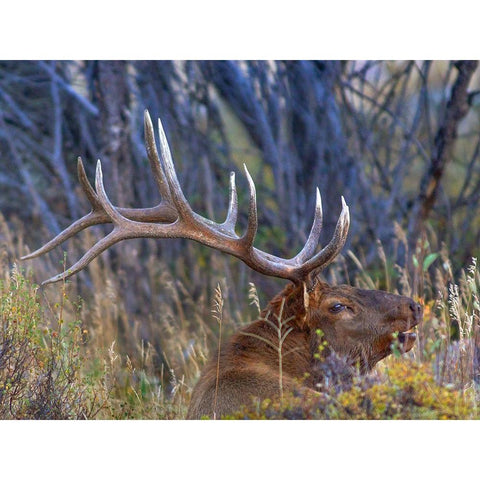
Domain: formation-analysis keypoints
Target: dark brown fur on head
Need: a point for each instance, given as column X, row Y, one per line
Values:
column 357, row 324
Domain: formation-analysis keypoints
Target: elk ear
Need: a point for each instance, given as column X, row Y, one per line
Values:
column 312, row 288
column 313, row 283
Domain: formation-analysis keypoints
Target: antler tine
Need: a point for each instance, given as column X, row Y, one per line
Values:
column 154, row 159
column 79, row 225
column 325, row 256
column 85, row 184
column 252, row 223
column 102, row 245
column 312, row 241
column 176, row 194
column 110, row 210
column 232, row 214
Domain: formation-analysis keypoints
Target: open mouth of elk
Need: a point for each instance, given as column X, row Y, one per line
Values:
column 406, row 339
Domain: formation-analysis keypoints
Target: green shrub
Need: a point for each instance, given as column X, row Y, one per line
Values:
column 40, row 362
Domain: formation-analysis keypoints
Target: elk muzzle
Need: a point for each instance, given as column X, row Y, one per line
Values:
column 413, row 315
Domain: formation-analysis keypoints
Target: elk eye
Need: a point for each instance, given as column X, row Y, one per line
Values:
column 338, row 307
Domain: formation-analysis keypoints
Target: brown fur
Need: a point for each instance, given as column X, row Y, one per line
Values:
column 249, row 365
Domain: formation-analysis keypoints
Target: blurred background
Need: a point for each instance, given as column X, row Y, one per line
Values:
column 400, row 140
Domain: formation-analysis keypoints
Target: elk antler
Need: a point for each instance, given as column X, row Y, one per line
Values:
column 173, row 217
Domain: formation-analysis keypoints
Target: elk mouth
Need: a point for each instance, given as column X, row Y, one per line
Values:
column 407, row 335
column 407, row 339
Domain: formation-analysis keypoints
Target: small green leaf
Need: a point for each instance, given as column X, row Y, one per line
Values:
column 429, row 259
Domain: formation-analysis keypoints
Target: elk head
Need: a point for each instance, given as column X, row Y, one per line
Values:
column 358, row 324
column 362, row 325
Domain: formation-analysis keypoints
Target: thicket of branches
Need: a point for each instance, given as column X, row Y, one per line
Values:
column 400, row 140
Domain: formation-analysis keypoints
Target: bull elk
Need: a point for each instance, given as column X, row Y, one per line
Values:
column 359, row 325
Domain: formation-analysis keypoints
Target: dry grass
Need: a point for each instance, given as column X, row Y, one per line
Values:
column 131, row 364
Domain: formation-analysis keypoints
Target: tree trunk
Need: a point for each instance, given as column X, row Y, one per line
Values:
column 457, row 108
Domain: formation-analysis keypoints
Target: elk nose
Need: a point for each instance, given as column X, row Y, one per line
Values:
column 416, row 308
